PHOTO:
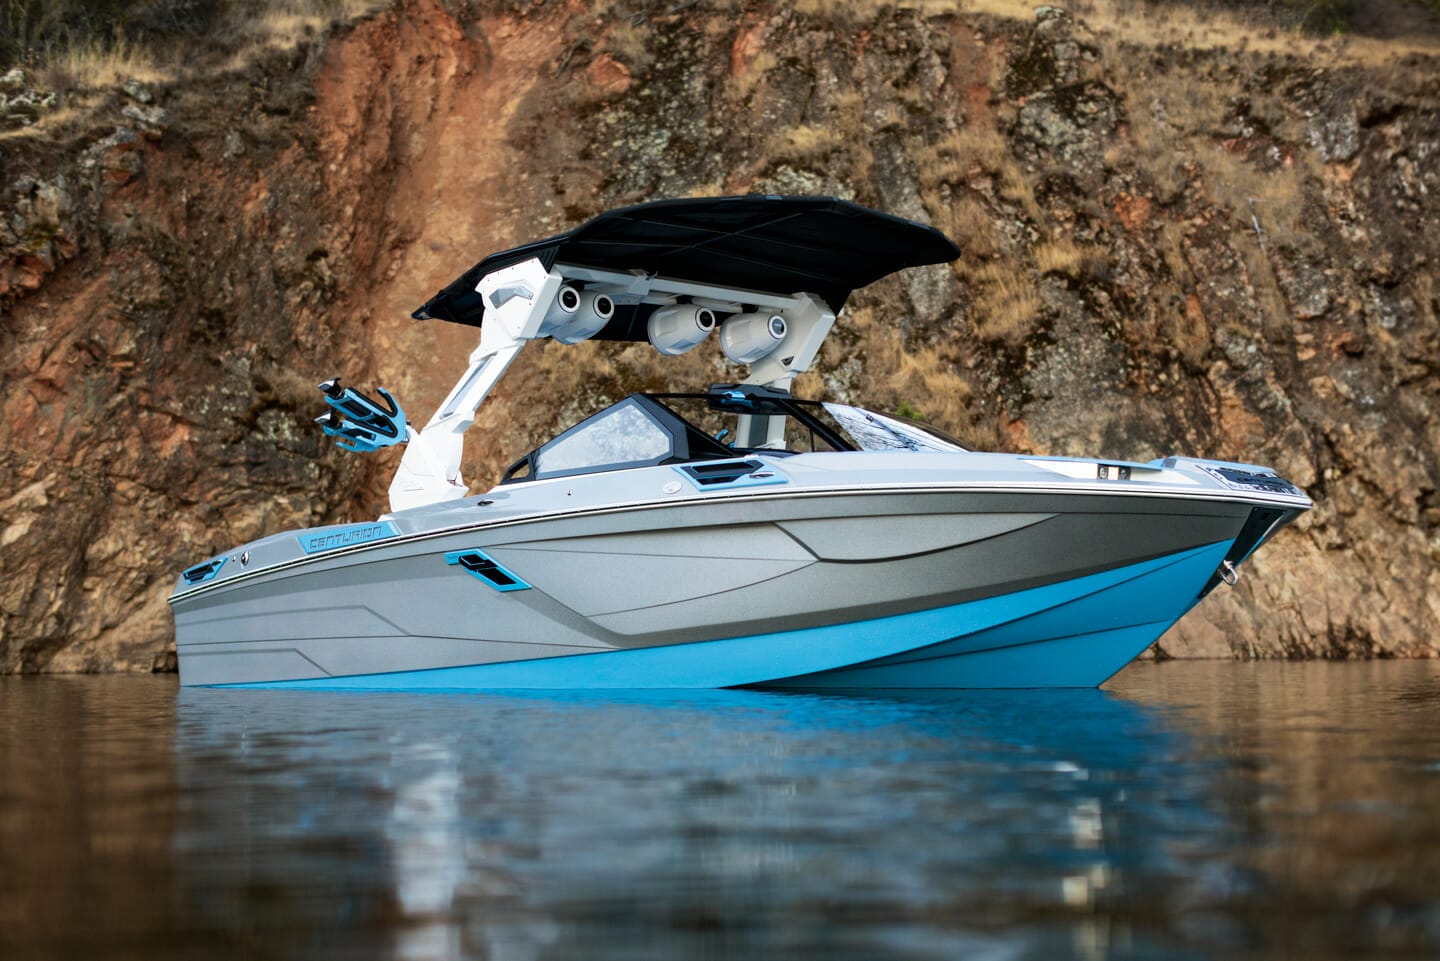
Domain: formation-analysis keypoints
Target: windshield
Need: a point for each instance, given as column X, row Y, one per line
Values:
column 636, row 432
column 809, row 425
column 872, row 431
column 617, row 437
column 650, row 429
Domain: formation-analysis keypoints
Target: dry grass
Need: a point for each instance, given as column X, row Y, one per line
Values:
column 1163, row 25
column 1172, row 236
column 1161, row 104
column 285, row 24
column 83, row 66
column 93, row 65
column 852, row 113
column 971, row 155
column 1007, row 308
column 1185, row 327
column 1427, row 298
column 1178, row 128
column 1060, row 256
column 749, row 78
column 50, row 121
column 707, row 189
column 631, row 42
column 1272, row 200
column 1210, row 29
column 966, row 174
column 1017, row 188
column 802, row 145
column 964, row 152
column 1274, row 309
column 832, row 8
column 931, row 385
column 100, row 61
column 918, row 380
column 966, row 220
column 1065, row 257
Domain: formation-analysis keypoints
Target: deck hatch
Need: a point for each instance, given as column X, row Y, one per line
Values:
column 730, row 473
column 201, row 573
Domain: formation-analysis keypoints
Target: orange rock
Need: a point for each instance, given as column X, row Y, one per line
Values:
column 747, row 45
column 609, row 75
column 1017, row 431
column 1133, row 211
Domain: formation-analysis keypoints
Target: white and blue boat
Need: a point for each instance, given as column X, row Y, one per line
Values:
column 732, row 537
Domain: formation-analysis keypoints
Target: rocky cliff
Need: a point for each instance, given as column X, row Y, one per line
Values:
column 1170, row 246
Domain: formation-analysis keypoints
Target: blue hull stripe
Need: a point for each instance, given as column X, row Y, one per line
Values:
column 763, row 658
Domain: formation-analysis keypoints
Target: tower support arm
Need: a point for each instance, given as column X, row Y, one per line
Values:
column 808, row 321
column 516, row 300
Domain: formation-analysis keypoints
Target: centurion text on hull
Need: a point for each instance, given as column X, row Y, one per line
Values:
column 733, row 537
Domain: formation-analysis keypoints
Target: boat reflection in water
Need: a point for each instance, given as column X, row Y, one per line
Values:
column 1198, row 810
column 693, row 824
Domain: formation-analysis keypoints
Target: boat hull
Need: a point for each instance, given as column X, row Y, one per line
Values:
column 994, row 657
column 855, row 589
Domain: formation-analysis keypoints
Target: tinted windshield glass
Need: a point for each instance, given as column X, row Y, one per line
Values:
column 624, row 434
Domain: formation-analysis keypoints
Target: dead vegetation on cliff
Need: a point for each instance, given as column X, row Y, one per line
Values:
column 72, row 54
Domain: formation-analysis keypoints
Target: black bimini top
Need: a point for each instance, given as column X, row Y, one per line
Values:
column 820, row 245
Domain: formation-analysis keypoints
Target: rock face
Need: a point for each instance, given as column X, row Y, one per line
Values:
column 21, row 102
column 1166, row 251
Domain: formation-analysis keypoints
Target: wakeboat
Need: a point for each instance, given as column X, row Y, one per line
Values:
column 736, row 536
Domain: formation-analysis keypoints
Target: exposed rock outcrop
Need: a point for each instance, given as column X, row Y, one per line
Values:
column 1167, row 250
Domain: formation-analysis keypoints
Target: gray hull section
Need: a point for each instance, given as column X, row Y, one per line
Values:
column 642, row 577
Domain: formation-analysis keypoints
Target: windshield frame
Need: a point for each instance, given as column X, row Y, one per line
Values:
column 807, row 412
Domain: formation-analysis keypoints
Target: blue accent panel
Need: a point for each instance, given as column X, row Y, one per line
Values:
column 1150, row 597
column 745, row 475
column 334, row 538
column 1078, row 644
column 1077, row 659
column 201, row 573
column 486, row 569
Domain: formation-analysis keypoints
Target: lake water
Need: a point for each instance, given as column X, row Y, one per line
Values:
column 1189, row 810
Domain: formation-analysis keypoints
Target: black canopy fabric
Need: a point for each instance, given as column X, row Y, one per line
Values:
column 820, row 245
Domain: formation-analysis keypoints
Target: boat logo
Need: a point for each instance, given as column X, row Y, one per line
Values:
column 334, row 538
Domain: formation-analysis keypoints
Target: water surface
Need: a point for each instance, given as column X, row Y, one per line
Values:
column 1212, row 810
